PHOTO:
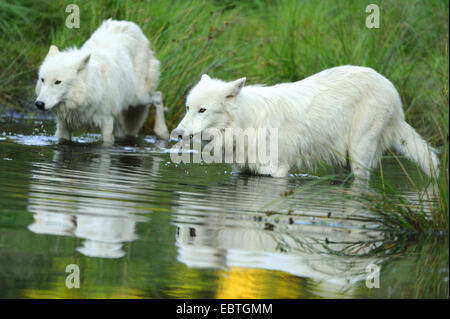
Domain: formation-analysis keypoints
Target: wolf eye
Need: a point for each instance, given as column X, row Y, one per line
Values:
column 42, row 80
column 201, row 110
column 57, row 82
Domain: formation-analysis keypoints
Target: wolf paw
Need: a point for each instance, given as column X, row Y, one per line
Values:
column 157, row 97
column 162, row 132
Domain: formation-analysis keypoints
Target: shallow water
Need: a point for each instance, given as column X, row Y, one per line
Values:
column 140, row 226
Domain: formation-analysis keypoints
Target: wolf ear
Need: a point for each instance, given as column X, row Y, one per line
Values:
column 235, row 87
column 205, row 77
column 52, row 51
column 82, row 64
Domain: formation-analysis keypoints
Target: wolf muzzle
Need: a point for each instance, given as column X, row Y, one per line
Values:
column 40, row 105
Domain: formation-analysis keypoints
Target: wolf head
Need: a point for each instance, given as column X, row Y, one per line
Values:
column 209, row 105
column 57, row 75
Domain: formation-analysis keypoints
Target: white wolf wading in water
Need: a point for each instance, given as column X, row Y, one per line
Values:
column 343, row 112
column 108, row 83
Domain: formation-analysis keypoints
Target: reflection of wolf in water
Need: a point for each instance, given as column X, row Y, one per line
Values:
column 85, row 200
column 232, row 233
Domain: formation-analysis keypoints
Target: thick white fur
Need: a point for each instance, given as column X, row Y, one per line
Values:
column 108, row 83
column 346, row 112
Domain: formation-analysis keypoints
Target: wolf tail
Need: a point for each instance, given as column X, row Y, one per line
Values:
column 409, row 143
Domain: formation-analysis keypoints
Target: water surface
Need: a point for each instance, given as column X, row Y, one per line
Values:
column 140, row 226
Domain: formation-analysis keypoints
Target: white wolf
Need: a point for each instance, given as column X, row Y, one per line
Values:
column 108, row 83
column 343, row 113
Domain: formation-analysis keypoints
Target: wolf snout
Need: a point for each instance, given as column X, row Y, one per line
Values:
column 178, row 133
column 40, row 105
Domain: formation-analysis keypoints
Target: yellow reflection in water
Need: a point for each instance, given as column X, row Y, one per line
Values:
column 61, row 292
column 89, row 287
column 253, row 283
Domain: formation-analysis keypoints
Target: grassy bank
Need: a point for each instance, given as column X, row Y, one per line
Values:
column 267, row 41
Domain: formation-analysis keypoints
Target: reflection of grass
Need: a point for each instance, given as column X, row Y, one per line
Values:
column 431, row 269
column 400, row 212
column 426, row 262
column 415, row 225
column 424, row 211
column 424, row 256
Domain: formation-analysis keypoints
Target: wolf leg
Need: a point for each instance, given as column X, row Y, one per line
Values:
column 274, row 170
column 364, row 153
column 160, row 127
column 366, row 138
column 118, row 130
column 107, row 128
column 62, row 132
column 132, row 119
column 362, row 163
column 282, row 171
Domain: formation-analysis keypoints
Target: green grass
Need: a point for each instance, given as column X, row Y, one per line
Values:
column 268, row 42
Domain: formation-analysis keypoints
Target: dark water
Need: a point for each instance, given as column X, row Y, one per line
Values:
column 140, row 226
